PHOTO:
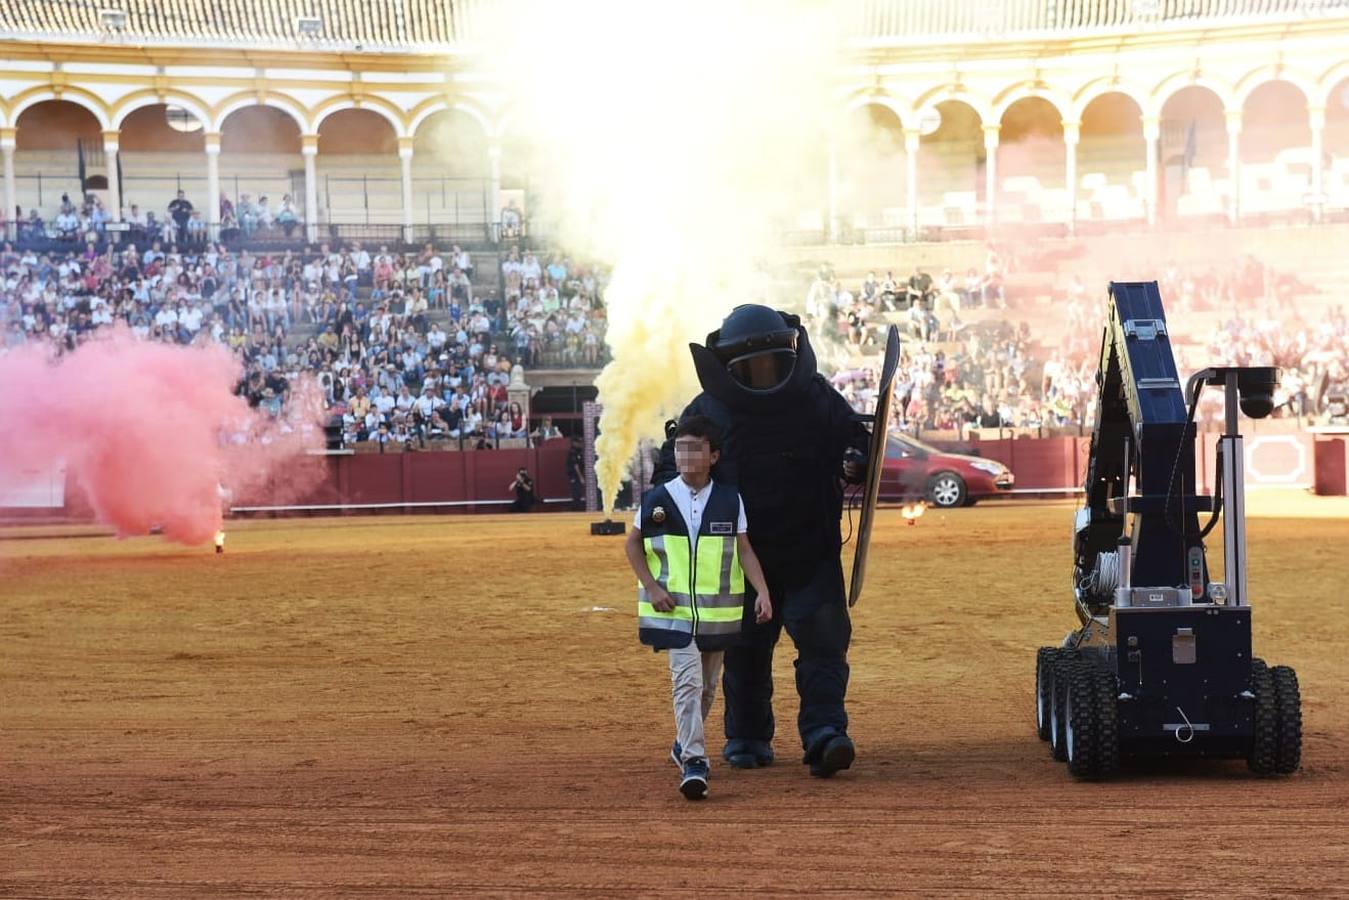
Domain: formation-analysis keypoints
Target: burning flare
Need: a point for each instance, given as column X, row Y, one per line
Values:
column 912, row 512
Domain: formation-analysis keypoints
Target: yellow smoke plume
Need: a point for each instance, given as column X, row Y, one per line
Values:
column 674, row 142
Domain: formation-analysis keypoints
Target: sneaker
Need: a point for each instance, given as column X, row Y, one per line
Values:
column 677, row 754
column 837, row 754
column 694, row 784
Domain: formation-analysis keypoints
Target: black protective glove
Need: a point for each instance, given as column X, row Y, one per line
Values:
column 854, row 466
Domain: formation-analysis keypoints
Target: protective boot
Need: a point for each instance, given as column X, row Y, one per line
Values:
column 830, row 753
column 740, row 753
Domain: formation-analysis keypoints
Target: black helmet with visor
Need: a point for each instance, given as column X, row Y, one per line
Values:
column 758, row 347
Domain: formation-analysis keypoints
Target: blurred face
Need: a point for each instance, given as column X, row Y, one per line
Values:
column 694, row 457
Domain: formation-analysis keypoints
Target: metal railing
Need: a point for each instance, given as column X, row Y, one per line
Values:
column 488, row 236
column 480, row 237
column 466, row 234
column 368, row 200
column 164, row 187
column 561, row 359
column 445, row 25
column 43, row 192
column 889, row 20
column 435, row 199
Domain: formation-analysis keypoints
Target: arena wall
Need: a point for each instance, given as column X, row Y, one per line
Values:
column 1058, row 465
column 433, row 482
column 478, row 481
column 468, row 481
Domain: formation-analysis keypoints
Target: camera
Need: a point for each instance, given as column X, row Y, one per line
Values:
column 1256, row 386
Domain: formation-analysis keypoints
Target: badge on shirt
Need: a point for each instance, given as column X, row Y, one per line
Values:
column 658, row 514
column 721, row 528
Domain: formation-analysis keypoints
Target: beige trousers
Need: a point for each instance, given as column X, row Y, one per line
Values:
column 694, row 675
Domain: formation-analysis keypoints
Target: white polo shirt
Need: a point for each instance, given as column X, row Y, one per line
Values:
column 691, row 504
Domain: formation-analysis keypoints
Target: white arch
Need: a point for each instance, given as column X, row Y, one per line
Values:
column 1092, row 92
column 1330, row 79
column 472, row 112
column 906, row 116
column 934, row 97
column 186, row 101
column 367, row 104
column 289, row 105
column 1173, row 84
column 1251, row 82
column 1013, row 95
column 69, row 95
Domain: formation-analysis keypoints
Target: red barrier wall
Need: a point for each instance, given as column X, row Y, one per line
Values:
column 1054, row 465
column 1332, row 467
column 1048, row 464
column 441, row 477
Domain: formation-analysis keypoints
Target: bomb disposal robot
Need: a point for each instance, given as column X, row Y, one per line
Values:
column 1162, row 663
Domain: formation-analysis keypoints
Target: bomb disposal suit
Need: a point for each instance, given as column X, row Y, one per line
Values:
column 789, row 441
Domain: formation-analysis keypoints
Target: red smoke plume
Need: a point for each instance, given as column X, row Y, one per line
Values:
column 151, row 433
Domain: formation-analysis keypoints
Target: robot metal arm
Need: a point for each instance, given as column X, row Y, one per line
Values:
column 1144, row 440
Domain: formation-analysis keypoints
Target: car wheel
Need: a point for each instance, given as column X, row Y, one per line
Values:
column 946, row 489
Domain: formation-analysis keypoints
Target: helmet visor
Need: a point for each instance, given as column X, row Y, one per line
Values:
column 764, row 370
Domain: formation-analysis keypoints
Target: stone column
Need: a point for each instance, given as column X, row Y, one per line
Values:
column 111, row 144
column 8, row 137
column 831, row 214
column 1233, row 117
column 1072, row 133
column 405, row 167
column 494, row 188
column 309, row 147
column 991, row 174
column 1316, row 116
column 213, row 184
column 912, row 139
column 1152, row 135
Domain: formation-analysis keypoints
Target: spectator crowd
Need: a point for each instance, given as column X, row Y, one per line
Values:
column 405, row 347
column 955, row 375
column 402, row 345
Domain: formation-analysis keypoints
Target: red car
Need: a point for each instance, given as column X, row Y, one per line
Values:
column 914, row 469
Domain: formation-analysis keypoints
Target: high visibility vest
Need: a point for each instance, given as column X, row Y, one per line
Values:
column 704, row 577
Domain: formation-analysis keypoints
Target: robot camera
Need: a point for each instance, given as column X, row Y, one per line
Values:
column 1252, row 387
column 1256, row 386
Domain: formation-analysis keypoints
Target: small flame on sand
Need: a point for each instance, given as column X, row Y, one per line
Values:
column 912, row 512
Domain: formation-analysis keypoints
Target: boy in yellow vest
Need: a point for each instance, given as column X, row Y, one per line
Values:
column 691, row 553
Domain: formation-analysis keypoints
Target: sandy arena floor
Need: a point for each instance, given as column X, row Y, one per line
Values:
column 438, row 706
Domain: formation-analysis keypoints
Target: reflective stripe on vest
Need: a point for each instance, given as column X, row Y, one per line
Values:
column 718, row 600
